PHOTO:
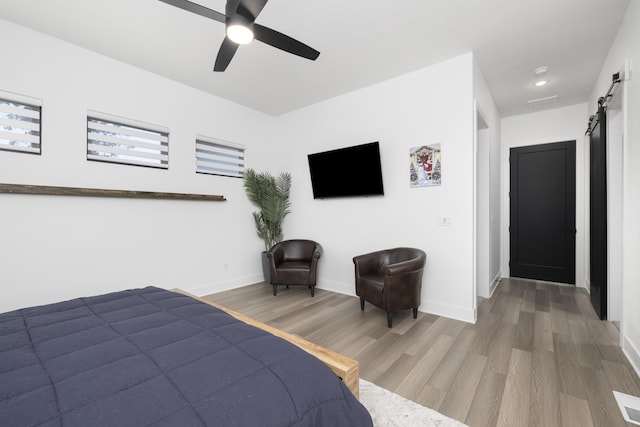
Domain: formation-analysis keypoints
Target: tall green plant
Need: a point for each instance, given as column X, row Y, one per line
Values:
column 270, row 194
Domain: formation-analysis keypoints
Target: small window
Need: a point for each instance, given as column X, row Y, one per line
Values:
column 20, row 123
column 118, row 140
column 217, row 157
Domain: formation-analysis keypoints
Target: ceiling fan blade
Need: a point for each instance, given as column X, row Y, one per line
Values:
column 225, row 54
column 253, row 7
column 284, row 42
column 190, row 6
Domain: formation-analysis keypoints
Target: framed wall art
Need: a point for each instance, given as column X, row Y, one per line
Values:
column 425, row 166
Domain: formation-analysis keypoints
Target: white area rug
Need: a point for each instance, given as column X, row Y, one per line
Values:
column 388, row 409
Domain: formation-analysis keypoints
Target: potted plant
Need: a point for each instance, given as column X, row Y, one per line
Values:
column 270, row 194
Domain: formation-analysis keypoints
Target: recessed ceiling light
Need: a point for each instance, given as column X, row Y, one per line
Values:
column 541, row 71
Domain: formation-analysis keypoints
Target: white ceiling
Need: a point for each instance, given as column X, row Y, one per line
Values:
column 361, row 42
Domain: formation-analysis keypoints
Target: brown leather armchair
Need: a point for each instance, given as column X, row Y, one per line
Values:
column 390, row 279
column 294, row 262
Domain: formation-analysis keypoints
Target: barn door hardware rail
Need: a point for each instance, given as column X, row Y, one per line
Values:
column 602, row 102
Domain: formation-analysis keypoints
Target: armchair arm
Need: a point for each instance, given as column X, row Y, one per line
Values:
column 313, row 269
column 276, row 254
column 317, row 250
column 404, row 267
column 403, row 284
column 371, row 263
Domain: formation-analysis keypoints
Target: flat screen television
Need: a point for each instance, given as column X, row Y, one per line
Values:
column 347, row 172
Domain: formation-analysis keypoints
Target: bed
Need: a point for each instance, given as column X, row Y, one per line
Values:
column 155, row 357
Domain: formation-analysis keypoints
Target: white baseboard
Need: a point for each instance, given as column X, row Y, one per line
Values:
column 212, row 288
column 632, row 353
column 431, row 307
column 495, row 282
column 450, row 311
column 338, row 287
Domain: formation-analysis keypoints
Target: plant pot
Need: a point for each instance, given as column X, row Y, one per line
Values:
column 266, row 271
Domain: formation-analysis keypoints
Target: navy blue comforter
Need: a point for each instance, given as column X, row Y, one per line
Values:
column 153, row 357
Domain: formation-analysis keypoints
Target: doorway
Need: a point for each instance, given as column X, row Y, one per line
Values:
column 483, row 208
column 542, row 229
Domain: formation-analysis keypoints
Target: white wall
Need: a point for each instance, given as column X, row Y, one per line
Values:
column 626, row 48
column 423, row 107
column 615, row 168
column 62, row 247
column 557, row 125
column 55, row 248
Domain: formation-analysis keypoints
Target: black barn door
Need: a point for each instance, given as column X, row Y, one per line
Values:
column 543, row 212
column 598, row 213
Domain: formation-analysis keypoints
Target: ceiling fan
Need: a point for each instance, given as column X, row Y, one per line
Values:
column 239, row 20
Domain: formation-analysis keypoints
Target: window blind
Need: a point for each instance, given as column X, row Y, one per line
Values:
column 126, row 141
column 217, row 157
column 20, row 125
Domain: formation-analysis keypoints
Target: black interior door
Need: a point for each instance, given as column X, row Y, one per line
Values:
column 543, row 212
column 598, row 213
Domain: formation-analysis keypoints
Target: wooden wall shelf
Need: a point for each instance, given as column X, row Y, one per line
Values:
column 95, row 192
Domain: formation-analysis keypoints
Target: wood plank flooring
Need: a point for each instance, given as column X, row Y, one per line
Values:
column 537, row 356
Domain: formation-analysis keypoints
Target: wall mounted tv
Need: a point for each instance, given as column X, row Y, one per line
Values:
column 347, row 172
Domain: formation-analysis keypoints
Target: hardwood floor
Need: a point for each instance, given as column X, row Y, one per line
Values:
column 537, row 356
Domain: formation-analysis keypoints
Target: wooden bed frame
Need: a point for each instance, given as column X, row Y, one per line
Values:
column 347, row 369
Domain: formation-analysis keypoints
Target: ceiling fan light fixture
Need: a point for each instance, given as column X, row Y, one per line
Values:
column 240, row 28
column 240, row 34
